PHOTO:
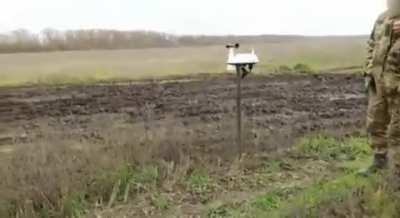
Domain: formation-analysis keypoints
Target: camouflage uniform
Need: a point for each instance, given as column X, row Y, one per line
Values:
column 383, row 67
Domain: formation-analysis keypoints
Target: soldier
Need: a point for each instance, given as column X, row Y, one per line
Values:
column 382, row 76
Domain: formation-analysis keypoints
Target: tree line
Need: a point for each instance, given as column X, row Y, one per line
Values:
column 54, row 40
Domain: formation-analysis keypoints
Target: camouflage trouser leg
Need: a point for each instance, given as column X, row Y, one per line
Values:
column 393, row 132
column 378, row 117
column 391, row 80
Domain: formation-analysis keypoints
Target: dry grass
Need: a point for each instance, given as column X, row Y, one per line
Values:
column 146, row 171
column 95, row 66
column 58, row 177
column 40, row 179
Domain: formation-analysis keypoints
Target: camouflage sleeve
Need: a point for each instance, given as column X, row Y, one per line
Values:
column 370, row 50
column 393, row 59
column 392, row 69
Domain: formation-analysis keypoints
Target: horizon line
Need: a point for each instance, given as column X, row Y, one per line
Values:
column 189, row 34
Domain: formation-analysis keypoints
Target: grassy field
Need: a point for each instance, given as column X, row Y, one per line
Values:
column 96, row 66
column 316, row 178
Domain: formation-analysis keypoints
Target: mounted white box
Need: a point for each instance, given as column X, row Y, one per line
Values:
column 242, row 59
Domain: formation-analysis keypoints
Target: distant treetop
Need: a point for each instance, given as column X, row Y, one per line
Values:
column 54, row 40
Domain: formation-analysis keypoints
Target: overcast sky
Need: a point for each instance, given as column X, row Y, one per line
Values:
column 306, row 17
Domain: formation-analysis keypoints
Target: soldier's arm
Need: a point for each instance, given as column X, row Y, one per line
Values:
column 392, row 69
column 393, row 57
column 393, row 60
column 370, row 50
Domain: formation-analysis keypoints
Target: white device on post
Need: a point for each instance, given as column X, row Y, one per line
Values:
column 243, row 63
column 240, row 59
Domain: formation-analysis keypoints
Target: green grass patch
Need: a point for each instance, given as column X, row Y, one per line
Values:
column 273, row 166
column 125, row 182
column 148, row 176
column 198, row 181
column 75, row 206
column 321, row 198
column 329, row 148
column 302, row 68
column 200, row 184
column 160, row 202
column 308, row 203
column 218, row 212
column 268, row 202
column 350, row 154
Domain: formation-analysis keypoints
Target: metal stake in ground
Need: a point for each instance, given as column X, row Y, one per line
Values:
column 239, row 108
column 243, row 63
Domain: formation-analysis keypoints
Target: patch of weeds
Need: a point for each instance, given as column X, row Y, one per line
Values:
column 199, row 180
column 199, row 183
column 329, row 148
column 268, row 202
column 125, row 175
column 75, row 206
column 348, row 195
column 123, row 181
column 148, row 176
column 357, row 147
column 264, row 205
column 275, row 166
column 311, row 200
column 349, row 167
column 379, row 201
column 142, row 179
column 7, row 209
column 160, row 202
column 322, row 146
column 302, row 68
column 115, row 184
column 273, row 200
column 284, row 69
column 218, row 212
column 42, row 212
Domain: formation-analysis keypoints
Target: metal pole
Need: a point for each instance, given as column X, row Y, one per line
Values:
column 239, row 108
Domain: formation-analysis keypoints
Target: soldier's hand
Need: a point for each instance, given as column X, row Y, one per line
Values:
column 368, row 83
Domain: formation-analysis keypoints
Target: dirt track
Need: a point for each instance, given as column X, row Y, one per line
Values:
column 277, row 108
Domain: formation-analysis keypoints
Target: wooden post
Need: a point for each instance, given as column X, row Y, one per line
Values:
column 239, row 108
